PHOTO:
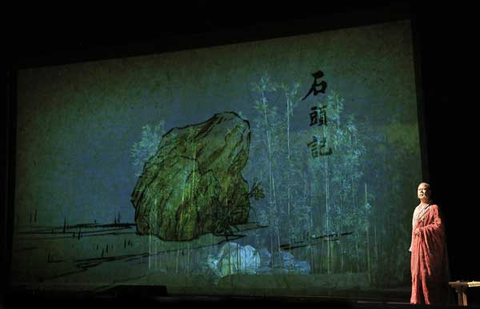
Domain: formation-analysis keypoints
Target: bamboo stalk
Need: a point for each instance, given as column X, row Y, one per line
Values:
column 368, row 237
column 270, row 166
column 355, row 211
column 229, row 264
column 149, row 250
column 288, row 155
column 312, row 253
column 327, row 215
column 188, row 259
column 177, row 262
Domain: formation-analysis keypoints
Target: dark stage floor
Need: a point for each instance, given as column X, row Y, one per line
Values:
column 146, row 300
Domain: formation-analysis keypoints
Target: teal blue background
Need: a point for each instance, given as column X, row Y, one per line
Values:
column 78, row 122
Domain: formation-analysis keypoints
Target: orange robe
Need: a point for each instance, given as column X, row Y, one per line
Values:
column 429, row 260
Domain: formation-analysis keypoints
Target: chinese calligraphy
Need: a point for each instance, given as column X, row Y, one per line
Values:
column 317, row 75
column 318, row 146
column 318, row 115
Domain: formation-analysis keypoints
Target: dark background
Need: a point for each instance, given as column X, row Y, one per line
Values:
column 444, row 36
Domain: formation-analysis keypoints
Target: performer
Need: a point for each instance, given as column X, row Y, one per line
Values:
column 429, row 260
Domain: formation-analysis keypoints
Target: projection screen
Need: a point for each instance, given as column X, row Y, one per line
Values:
column 285, row 166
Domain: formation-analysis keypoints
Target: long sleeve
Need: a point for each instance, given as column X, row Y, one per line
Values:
column 429, row 259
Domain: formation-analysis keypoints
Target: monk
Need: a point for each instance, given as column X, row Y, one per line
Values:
column 429, row 261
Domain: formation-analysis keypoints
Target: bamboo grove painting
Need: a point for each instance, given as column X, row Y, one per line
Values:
column 286, row 166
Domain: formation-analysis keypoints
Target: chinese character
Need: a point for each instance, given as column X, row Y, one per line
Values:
column 317, row 147
column 318, row 115
column 313, row 147
column 317, row 75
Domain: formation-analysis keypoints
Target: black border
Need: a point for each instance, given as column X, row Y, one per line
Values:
column 443, row 40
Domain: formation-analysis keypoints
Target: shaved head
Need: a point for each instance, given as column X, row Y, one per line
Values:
column 424, row 192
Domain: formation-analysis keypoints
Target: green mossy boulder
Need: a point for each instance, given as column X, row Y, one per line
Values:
column 193, row 185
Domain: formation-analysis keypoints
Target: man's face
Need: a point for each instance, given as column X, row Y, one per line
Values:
column 423, row 192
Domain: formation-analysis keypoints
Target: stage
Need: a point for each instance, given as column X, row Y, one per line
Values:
column 128, row 296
